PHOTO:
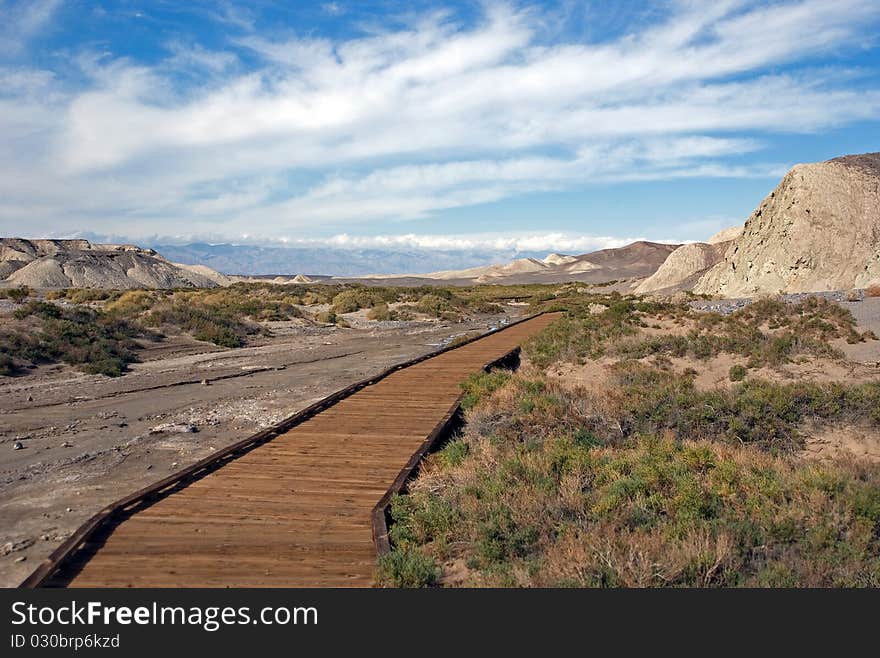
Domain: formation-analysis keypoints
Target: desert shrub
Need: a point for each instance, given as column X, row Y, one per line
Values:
column 791, row 329
column 435, row 305
column 581, row 334
column 312, row 298
column 132, row 303
column 464, row 338
column 85, row 295
column 453, row 453
column 351, row 300
column 873, row 291
column 212, row 325
column 479, row 385
column 483, row 306
column 327, row 317
column 90, row 340
column 651, row 401
column 18, row 295
column 407, row 568
column 7, row 364
column 381, row 312
column 651, row 512
column 359, row 297
column 645, row 400
column 737, row 373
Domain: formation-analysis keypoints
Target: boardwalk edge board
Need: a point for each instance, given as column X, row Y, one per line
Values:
column 129, row 505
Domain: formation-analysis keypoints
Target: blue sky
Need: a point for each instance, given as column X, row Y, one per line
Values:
column 543, row 126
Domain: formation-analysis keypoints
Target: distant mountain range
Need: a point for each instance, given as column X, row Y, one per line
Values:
column 634, row 261
column 254, row 260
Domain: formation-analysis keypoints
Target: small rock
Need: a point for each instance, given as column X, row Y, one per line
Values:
column 123, row 424
column 173, row 464
column 18, row 445
column 67, row 444
column 205, row 382
column 21, row 558
column 30, row 398
column 149, row 466
column 69, row 509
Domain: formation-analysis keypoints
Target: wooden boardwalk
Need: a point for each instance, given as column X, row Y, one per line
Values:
column 295, row 511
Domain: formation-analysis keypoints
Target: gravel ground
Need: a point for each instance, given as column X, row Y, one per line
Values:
column 848, row 298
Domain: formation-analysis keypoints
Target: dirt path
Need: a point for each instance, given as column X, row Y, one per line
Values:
column 88, row 440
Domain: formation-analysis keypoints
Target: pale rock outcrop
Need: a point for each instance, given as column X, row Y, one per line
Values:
column 80, row 264
column 818, row 230
column 559, row 259
column 682, row 266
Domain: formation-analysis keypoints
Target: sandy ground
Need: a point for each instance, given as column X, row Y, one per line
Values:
column 89, row 440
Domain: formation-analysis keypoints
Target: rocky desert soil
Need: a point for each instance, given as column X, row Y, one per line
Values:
column 87, row 440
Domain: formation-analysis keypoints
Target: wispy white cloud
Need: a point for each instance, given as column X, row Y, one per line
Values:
column 21, row 20
column 403, row 123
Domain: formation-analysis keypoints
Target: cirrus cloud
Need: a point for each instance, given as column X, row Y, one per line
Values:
column 283, row 134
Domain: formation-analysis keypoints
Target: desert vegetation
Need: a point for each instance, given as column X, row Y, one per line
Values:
column 92, row 341
column 109, row 320
column 650, row 479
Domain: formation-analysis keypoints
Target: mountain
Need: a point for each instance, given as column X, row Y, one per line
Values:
column 559, row 259
column 82, row 264
column 636, row 260
column 818, row 230
column 514, row 267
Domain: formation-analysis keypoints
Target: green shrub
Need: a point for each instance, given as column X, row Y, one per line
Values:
column 454, row 453
column 407, row 568
column 480, row 385
column 18, row 295
column 381, row 312
column 354, row 299
column 85, row 295
column 326, row 317
column 435, row 305
column 650, row 512
column 92, row 341
column 351, row 300
column 210, row 324
column 7, row 364
column 132, row 303
column 738, row 373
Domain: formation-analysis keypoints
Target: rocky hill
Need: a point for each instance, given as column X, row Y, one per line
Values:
column 818, row 230
column 81, row 264
column 683, row 268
